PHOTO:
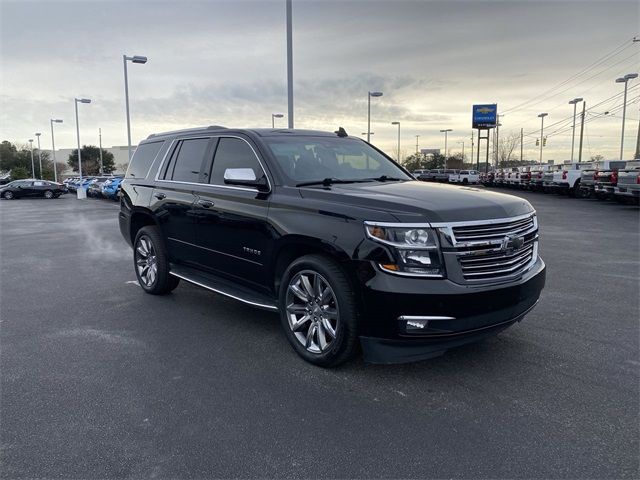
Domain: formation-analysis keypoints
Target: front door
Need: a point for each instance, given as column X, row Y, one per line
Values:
column 232, row 227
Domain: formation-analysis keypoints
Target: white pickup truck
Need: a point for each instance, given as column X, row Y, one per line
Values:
column 628, row 185
column 567, row 178
column 465, row 177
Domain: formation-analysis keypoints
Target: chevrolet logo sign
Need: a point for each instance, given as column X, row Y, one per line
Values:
column 510, row 244
column 485, row 110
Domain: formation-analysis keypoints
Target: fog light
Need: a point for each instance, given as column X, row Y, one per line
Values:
column 416, row 325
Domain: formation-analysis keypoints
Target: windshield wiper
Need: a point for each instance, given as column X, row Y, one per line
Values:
column 385, row 178
column 331, row 181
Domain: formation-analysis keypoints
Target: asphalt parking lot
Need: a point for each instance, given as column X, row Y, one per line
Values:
column 102, row 381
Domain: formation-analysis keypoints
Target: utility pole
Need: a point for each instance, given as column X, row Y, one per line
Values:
column 100, row 142
column 417, row 137
column 584, row 105
column 521, row 143
column 637, row 155
column 498, row 139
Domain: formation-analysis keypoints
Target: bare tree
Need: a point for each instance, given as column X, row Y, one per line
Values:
column 506, row 145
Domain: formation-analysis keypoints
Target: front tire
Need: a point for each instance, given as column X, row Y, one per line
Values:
column 8, row 195
column 318, row 310
column 151, row 262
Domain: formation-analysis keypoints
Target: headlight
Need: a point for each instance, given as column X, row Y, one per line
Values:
column 415, row 248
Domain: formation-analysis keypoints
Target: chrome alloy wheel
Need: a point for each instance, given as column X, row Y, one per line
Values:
column 312, row 311
column 146, row 261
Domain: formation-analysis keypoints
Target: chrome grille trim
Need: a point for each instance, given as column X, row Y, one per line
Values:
column 485, row 249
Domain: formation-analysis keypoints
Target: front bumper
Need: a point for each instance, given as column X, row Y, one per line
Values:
column 461, row 314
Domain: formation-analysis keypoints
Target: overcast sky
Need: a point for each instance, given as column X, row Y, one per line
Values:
column 215, row 62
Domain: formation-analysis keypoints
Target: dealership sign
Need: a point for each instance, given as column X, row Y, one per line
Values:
column 485, row 116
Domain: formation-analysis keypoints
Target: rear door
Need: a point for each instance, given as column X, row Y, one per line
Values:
column 231, row 221
column 173, row 197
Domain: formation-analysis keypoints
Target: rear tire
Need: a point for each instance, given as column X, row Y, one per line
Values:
column 48, row 194
column 151, row 262
column 318, row 310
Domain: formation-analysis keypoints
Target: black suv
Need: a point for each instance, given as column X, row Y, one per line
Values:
column 335, row 236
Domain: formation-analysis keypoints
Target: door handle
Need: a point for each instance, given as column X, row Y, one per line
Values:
column 160, row 196
column 205, row 203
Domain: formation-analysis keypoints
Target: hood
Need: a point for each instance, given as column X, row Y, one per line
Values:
column 416, row 201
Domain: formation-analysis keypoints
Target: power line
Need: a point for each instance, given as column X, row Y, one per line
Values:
column 616, row 51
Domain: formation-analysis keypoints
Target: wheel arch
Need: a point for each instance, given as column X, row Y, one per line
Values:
column 295, row 246
column 140, row 217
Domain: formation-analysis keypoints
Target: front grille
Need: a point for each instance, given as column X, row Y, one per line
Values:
column 489, row 266
column 495, row 250
column 492, row 231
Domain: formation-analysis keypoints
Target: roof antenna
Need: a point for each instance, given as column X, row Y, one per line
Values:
column 341, row 132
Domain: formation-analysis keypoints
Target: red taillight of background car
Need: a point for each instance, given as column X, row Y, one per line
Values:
column 638, row 179
column 564, row 175
column 614, row 177
column 595, row 175
column 539, row 174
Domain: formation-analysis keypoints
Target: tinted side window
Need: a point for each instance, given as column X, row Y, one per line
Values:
column 142, row 159
column 233, row 153
column 188, row 160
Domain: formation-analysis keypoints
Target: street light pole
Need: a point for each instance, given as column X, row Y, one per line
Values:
column 135, row 59
column 273, row 117
column 53, row 148
column 39, row 154
column 369, row 95
column 417, row 137
column 472, row 145
column 79, row 100
column 289, row 66
column 100, row 146
column 574, row 102
column 398, row 124
column 625, row 80
column 446, row 131
column 462, row 142
column 33, row 166
column 541, row 116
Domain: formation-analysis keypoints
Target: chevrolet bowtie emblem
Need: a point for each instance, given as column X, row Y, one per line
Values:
column 509, row 243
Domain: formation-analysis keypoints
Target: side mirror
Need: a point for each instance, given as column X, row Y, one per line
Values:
column 245, row 177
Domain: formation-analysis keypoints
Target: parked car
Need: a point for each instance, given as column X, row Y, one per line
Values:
column 449, row 173
column 72, row 185
column 588, row 177
column 606, row 179
column 525, row 177
column 512, row 177
column 420, row 174
column 628, row 187
column 94, row 187
column 537, row 176
column 594, row 172
column 439, row 175
column 348, row 252
column 31, row 188
column 566, row 180
column 465, row 177
column 548, row 177
column 111, row 188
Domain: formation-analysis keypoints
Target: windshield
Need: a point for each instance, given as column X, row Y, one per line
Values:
column 306, row 159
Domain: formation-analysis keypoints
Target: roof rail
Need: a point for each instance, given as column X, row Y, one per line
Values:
column 187, row 130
